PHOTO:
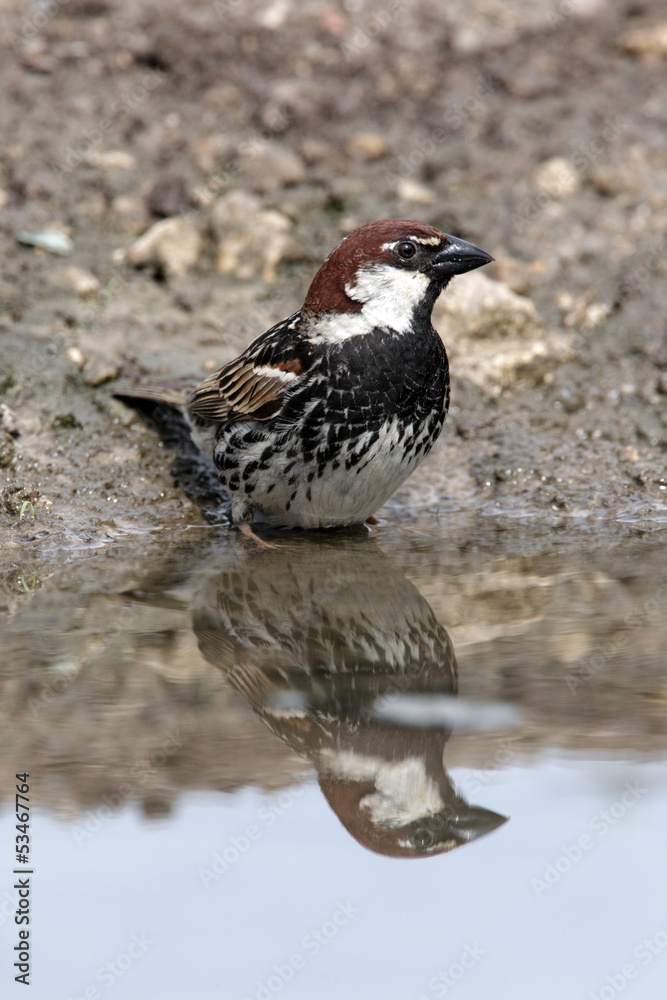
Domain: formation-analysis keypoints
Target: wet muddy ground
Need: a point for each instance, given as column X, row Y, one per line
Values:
column 536, row 131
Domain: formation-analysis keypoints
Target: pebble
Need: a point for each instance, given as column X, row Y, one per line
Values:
column 99, row 369
column 646, row 41
column 484, row 308
column 495, row 337
column 368, row 146
column 117, row 159
column 584, row 311
column 208, row 152
column 413, row 191
column 269, row 165
column 8, row 420
column 83, row 282
column 131, row 212
column 252, row 240
column 76, row 356
column 7, row 450
column 317, row 150
column 512, row 272
column 168, row 195
column 274, row 15
column 612, row 181
column 557, row 178
column 51, row 240
column 173, row 245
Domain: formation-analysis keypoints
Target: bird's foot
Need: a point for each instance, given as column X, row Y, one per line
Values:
column 245, row 528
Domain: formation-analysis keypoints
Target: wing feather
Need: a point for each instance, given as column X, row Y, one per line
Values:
column 241, row 392
column 252, row 386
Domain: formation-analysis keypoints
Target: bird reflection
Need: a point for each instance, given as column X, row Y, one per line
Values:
column 317, row 637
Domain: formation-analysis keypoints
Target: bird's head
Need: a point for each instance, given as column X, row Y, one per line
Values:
column 390, row 272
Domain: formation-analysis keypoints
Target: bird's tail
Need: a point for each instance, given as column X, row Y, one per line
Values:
column 170, row 392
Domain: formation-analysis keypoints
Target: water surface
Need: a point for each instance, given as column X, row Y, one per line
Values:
column 424, row 762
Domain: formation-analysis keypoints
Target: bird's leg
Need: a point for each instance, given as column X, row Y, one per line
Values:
column 245, row 528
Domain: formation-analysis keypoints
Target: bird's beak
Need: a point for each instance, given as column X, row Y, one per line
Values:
column 458, row 257
column 476, row 822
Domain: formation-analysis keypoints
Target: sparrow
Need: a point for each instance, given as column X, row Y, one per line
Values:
column 319, row 639
column 321, row 418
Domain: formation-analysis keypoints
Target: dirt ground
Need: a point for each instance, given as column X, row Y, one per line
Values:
column 536, row 130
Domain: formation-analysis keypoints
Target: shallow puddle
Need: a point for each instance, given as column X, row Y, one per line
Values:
column 423, row 762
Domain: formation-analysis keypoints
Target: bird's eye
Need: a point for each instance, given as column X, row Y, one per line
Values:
column 406, row 250
column 423, row 837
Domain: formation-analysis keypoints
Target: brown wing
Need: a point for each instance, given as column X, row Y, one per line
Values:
column 242, row 390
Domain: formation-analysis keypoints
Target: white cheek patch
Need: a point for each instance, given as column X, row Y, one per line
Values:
column 403, row 791
column 390, row 295
column 404, row 794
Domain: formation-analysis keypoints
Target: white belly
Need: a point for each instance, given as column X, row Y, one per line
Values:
column 342, row 496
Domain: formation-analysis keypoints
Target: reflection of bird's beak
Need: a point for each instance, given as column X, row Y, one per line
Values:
column 475, row 822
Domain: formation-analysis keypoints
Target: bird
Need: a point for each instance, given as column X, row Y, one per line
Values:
column 322, row 417
column 320, row 638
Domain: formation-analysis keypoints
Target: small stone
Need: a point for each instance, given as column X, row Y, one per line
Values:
column 595, row 313
column 512, row 272
column 413, row 191
column 231, row 210
column 7, row 450
column 368, row 146
column 582, row 311
column 66, row 421
column 168, row 195
column 486, row 308
column 274, row 15
column 4, row 198
column 495, row 337
column 116, row 159
column 209, row 151
column 316, row 150
column 38, row 63
column 557, row 178
column 83, row 282
column 51, row 240
column 125, row 415
column 172, row 245
column 662, row 384
column 334, row 22
column 269, row 165
column 131, row 212
column 646, row 41
column 222, row 96
column 8, row 420
column 612, row 181
column 251, row 240
column 99, row 369
column 76, row 356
